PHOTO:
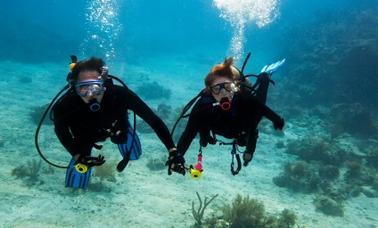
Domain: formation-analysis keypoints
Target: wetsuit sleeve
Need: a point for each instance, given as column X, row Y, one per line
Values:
column 263, row 109
column 142, row 110
column 191, row 130
column 63, row 132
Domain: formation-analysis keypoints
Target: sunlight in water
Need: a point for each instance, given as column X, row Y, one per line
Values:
column 102, row 26
column 240, row 13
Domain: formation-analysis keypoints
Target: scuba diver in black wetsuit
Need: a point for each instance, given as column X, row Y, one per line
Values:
column 94, row 109
column 229, row 108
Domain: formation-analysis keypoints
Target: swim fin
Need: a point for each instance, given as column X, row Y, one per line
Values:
column 130, row 149
column 77, row 175
column 271, row 68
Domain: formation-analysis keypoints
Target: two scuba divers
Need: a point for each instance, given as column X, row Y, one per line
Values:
column 94, row 109
column 229, row 106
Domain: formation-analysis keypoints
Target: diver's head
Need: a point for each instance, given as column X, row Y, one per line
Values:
column 88, row 80
column 221, row 82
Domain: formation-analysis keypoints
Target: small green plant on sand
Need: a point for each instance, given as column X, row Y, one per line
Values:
column 247, row 212
column 198, row 214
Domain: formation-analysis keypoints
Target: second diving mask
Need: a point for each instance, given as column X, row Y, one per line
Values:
column 89, row 88
column 228, row 86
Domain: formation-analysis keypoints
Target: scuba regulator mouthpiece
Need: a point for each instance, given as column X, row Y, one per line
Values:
column 225, row 104
column 94, row 106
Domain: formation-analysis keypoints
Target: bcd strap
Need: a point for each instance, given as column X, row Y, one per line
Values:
column 238, row 161
column 234, row 154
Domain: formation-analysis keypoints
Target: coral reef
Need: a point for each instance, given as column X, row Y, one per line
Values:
column 317, row 149
column 340, row 57
column 354, row 119
column 354, row 171
column 333, row 174
column 329, row 206
column 359, row 175
column 153, row 91
column 329, row 172
column 299, row 177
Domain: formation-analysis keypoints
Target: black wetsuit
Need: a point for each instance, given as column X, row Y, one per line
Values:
column 78, row 128
column 240, row 122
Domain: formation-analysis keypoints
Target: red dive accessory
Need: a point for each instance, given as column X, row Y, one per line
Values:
column 225, row 104
column 196, row 169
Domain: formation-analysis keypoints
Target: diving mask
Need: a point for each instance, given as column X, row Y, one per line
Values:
column 90, row 88
column 228, row 86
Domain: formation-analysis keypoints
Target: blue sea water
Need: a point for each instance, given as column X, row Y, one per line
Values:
column 326, row 91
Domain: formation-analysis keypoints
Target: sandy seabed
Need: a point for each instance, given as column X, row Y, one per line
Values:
column 138, row 197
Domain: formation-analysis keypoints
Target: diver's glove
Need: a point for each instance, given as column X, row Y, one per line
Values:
column 247, row 158
column 279, row 124
column 175, row 162
column 91, row 161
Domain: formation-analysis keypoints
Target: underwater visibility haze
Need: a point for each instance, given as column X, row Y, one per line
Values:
column 319, row 171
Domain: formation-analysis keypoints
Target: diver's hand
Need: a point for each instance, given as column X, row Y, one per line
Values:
column 91, row 161
column 279, row 124
column 247, row 158
column 175, row 162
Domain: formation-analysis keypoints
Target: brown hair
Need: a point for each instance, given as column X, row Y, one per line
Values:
column 225, row 69
column 90, row 64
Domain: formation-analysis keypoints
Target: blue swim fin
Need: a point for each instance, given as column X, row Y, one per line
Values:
column 77, row 175
column 131, row 146
column 130, row 149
